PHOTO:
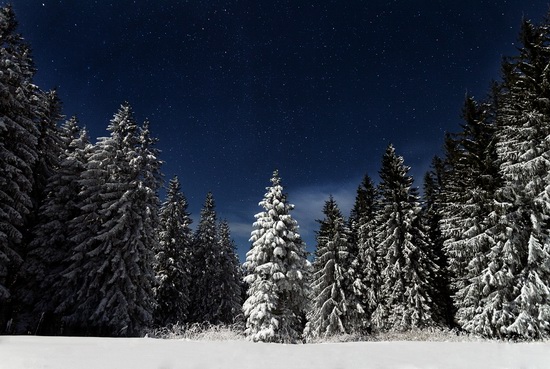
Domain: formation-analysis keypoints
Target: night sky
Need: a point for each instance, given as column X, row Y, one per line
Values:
column 235, row 89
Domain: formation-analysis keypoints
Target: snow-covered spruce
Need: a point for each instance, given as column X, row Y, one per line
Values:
column 50, row 248
column 110, row 275
column 277, row 272
column 335, row 308
column 172, row 264
column 18, row 149
column 516, row 283
column 408, row 270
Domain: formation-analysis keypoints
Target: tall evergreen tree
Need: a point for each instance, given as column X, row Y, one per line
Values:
column 50, row 246
column 172, row 267
column 230, row 277
column 407, row 292
column 469, row 193
column 433, row 192
column 205, row 258
column 110, row 273
column 364, row 228
column 334, row 308
column 277, row 272
column 516, row 283
column 49, row 145
column 18, row 145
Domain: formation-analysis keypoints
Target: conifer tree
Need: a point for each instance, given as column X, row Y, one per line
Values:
column 229, row 282
column 51, row 246
column 333, row 307
column 433, row 192
column 205, row 263
column 407, row 292
column 516, row 282
column 18, row 142
column 110, row 274
column 172, row 265
column 364, row 228
column 276, row 272
column 49, row 145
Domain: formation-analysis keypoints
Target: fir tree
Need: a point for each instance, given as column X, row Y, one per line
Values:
column 407, row 292
column 110, row 274
column 277, row 272
column 172, row 265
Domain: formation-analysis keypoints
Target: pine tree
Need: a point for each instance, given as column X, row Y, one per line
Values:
column 406, row 298
column 172, row 265
column 276, row 272
column 18, row 142
column 110, row 273
column 334, row 307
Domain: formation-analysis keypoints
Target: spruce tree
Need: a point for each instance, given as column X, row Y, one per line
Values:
column 18, row 144
column 51, row 246
column 364, row 228
column 407, row 290
column 516, row 283
column 110, row 274
column 172, row 266
column 205, row 264
column 433, row 192
column 276, row 272
column 333, row 306
column 230, row 276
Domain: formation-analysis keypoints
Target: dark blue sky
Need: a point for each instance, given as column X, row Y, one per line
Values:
column 235, row 89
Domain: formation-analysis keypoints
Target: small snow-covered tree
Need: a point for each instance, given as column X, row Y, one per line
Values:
column 276, row 272
column 406, row 296
column 172, row 266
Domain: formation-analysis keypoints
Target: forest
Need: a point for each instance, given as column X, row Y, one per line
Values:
column 87, row 247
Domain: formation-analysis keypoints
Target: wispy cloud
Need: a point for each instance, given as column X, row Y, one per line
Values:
column 308, row 201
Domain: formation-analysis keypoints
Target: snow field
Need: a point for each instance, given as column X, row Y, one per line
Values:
column 32, row 352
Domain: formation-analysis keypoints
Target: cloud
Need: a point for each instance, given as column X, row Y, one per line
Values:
column 309, row 202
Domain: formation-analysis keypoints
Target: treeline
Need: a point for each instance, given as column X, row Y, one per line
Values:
column 472, row 254
column 87, row 247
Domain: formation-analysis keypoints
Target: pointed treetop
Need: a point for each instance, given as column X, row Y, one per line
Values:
column 275, row 179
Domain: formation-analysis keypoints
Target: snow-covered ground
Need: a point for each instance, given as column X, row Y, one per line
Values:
column 31, row 352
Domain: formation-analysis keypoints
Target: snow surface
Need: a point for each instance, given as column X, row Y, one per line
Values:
column 32, row 352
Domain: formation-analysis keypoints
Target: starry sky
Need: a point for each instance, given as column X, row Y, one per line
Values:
column 235, row 89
